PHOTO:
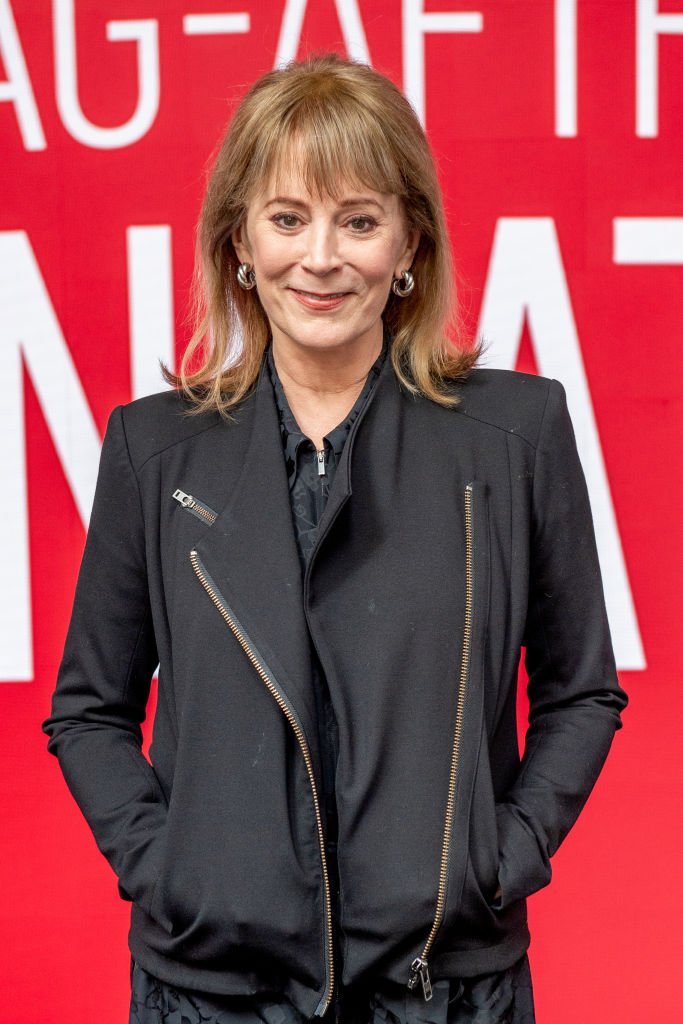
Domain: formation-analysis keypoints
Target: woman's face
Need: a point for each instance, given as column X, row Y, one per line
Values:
column 299, row 244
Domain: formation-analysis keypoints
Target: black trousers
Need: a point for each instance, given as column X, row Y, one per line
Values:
column 505, row 997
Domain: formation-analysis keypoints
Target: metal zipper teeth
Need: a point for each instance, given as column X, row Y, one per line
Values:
column 192, row 505
column 222, row 608
column 419, row 967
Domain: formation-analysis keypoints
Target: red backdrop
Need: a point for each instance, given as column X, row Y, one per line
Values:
column 557, row 132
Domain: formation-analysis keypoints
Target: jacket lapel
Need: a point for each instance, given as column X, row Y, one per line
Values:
column 251, row 556
column 250, row 550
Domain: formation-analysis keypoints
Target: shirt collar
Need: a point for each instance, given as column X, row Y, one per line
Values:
column 337, row 436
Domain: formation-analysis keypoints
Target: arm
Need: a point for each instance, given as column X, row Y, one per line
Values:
column 104, row 679
column 575, row 698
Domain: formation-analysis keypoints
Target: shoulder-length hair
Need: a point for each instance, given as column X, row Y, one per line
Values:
column 353, row 127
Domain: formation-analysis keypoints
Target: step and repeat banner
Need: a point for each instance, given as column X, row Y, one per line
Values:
column 557, row 129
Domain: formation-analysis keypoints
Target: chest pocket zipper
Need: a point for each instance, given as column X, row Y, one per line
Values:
column 198, row 508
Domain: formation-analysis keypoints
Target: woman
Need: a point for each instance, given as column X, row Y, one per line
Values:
column 334, row 540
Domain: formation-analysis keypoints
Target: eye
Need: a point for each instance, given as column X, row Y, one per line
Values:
column 370, row 221
column 278, row 216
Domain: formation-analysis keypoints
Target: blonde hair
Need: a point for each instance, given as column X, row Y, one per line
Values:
column 355, row 127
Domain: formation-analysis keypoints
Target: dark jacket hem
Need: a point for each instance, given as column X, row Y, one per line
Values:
column 467, row 963
column 221, row 981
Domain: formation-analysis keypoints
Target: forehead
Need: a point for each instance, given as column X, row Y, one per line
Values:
column 302, row 171
column 290, row 185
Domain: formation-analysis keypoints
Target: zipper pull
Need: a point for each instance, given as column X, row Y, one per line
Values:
column 321, row 461
column 184, row 499
column 419, row 968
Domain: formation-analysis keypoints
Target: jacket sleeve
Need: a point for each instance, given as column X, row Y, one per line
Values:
column 575, row 698
column 104, row 678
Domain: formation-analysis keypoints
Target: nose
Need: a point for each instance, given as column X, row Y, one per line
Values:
column 321, row 251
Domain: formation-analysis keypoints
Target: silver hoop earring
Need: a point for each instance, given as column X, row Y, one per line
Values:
column 403, row 285
column 246, row 276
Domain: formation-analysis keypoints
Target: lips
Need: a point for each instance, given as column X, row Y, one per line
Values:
column 318, row 301
column 320, row 295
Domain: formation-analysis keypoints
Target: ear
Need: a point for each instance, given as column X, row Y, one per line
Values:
column 239, row 241
column 407, row 256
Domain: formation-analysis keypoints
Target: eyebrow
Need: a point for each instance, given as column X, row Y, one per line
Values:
column 345, row 202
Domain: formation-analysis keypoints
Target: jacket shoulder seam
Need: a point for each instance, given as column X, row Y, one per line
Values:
column 173, row 444
column 130, row 461
column 509, row 432
column 541, row 425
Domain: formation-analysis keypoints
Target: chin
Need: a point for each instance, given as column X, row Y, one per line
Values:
column 321, row 335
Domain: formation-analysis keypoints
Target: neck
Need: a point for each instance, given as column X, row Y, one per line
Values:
column 325, row 373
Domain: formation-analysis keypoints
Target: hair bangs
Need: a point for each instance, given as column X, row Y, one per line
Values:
column 329, row 147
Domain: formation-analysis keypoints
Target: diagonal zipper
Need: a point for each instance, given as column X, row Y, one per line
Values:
column 419, row 969
column 266, row 675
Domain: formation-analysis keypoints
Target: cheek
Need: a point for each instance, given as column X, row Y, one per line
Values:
column 273, row 253
column 376, row 264
column 273, row 260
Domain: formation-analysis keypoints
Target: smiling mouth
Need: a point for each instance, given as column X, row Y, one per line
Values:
column 319, row 295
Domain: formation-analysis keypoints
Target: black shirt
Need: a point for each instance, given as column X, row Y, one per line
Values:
column 310, row 474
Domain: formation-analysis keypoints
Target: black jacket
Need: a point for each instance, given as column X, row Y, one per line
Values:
column 451, row 538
